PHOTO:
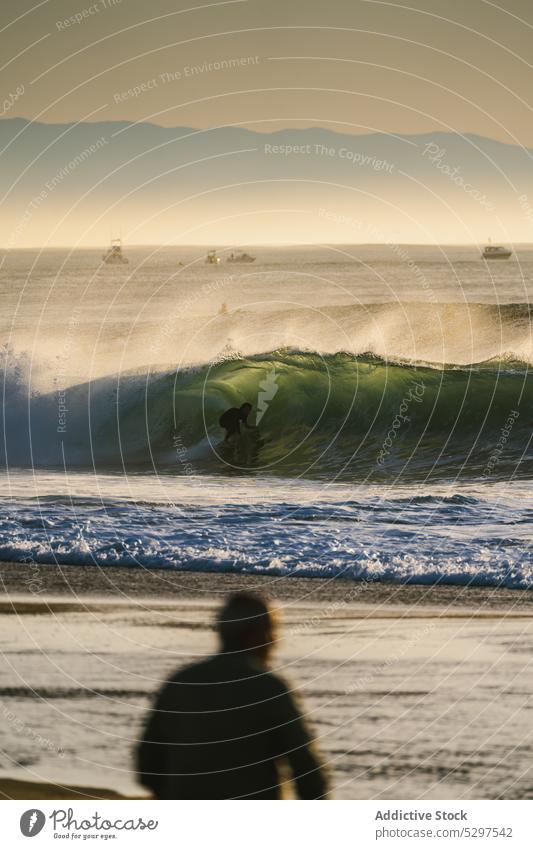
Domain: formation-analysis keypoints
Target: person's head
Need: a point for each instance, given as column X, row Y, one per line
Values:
column 245, row 410
column 245, row 623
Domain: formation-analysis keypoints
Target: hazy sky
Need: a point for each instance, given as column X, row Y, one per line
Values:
column 356, row 65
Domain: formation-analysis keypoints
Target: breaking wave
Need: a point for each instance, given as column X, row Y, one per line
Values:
column 319, row 415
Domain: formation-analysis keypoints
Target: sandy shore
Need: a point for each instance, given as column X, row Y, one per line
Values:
column 414, row 692
column 37, row 580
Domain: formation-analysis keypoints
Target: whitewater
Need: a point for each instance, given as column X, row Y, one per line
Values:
column 391, row 388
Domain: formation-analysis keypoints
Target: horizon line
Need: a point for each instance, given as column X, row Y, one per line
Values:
column 232, row 246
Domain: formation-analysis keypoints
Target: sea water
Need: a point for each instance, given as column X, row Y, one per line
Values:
column 390, row 385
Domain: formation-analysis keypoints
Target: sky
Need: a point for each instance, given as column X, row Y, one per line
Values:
column 352, row 65
column 355, row 67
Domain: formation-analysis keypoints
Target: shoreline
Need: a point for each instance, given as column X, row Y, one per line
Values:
column 38, row 581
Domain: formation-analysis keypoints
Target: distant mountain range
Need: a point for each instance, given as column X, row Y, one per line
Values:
column 80, row 183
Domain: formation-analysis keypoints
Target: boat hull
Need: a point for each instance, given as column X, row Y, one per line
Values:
column 241, row 261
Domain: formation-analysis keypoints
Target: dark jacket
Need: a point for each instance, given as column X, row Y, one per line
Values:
column 218, row 730
column 231, row 420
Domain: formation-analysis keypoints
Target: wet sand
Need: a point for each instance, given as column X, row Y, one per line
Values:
column 123, row 582
column 414, row 692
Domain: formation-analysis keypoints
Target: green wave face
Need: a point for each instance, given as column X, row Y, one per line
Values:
column 336, row 415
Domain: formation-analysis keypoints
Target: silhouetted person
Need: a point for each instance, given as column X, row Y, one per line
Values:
column 232, row 418
column 220, row 728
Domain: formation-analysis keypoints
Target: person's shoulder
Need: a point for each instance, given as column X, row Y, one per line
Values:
column 219, row 668
column 277, row 683
column 191, row 672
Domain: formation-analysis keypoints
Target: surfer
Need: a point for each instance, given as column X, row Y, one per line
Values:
column 232, row 418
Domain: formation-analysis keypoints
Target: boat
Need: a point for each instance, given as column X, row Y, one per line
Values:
column 212, row 258
column 491, row 251
column 114, row 255
column 242, row 257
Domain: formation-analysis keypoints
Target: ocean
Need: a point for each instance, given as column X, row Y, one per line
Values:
column 391, row 386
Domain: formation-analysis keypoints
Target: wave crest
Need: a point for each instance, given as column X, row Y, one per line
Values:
column 334, row 415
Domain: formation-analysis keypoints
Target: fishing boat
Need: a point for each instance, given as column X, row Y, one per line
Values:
column 491, row 251
column 212, row 258
column 242, row 257
column 114, row 255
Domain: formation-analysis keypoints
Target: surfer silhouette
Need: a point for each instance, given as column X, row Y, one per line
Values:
column 232, row 418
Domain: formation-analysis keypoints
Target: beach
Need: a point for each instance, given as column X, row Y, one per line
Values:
column 417, row 692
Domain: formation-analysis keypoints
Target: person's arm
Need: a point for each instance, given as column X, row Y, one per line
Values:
column 294, row 743
column 150, row 754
